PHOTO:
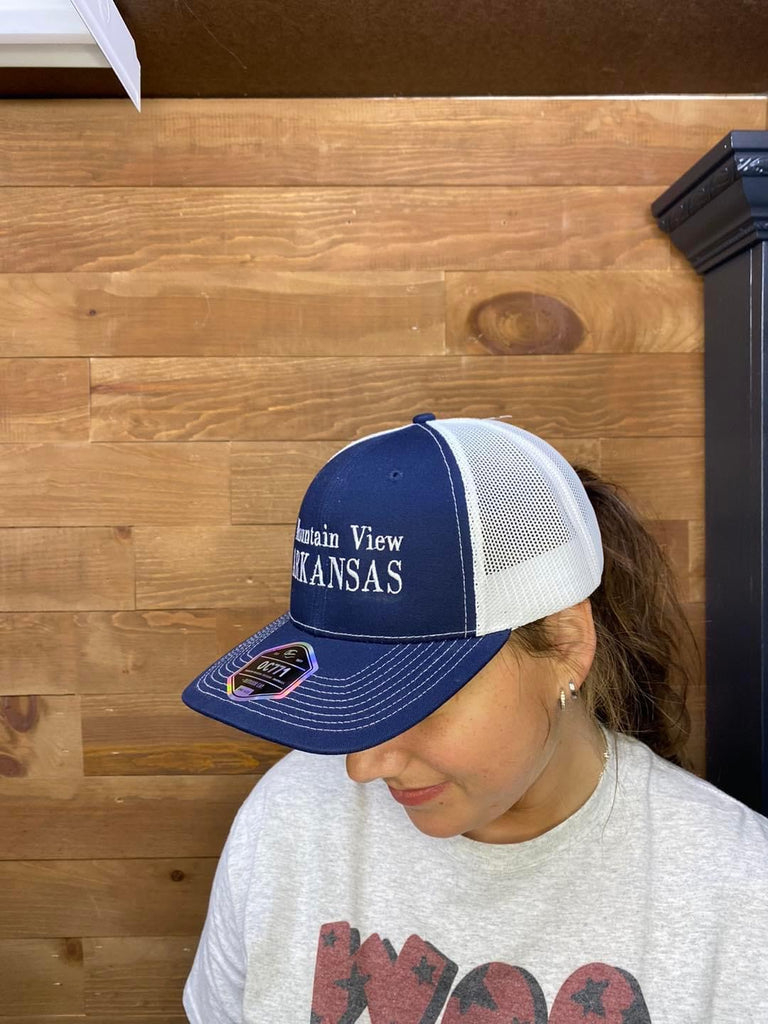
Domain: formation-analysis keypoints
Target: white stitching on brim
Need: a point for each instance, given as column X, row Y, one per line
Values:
column 300, row 704
column 297, row 700
column 278, row 719
column 249, row 649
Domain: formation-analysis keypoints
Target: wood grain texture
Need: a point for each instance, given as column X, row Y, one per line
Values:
column 130, row 975
column 231, row 311
column 141, row 1018
column 152, row 816
column 233, row 625
column 40, row 976
column 672, row 536
column 697, row 561
column 100, row 484
column 51, row 569
column 43, row 399
column 484, row 228
column 664, row 477
column 676, row 541
column 269, row 478
column 158, row 735
column 559, row 312
column 651, row 394
column 424, row 141
column 152, row 651
column 132, row 1018
column 213, row 567
column 40, row 737
column 104, row 897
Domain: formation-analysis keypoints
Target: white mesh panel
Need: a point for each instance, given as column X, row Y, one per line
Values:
column 536, row 543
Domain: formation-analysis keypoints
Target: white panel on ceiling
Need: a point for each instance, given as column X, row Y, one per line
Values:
column 69, row 33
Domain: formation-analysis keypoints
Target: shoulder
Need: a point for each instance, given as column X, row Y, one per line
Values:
column 287, row 809
column 298, row 784
column 299, row 772
column 692, row 815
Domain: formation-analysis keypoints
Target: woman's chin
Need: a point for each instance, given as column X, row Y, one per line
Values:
column 434, row 824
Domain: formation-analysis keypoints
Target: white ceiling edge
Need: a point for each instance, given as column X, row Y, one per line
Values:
column 69, row 33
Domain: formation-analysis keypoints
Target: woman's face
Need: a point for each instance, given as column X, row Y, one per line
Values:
column 513, row 770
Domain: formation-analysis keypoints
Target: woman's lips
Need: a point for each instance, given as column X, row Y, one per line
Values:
column 411, row 797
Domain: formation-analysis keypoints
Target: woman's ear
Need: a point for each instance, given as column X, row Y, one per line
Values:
column 574, row 630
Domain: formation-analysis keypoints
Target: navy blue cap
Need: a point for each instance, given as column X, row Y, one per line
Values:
column 416, row 551
column 381, row 628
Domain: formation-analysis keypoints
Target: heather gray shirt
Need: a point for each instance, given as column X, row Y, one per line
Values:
column 649, row 904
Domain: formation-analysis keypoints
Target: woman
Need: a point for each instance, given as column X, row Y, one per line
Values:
column 490, row 643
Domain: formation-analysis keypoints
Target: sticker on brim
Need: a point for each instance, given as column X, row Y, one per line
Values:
column 273, row 674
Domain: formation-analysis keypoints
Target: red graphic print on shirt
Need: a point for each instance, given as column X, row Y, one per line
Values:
column 414, row 987
column 497, row 992
column 607, row 993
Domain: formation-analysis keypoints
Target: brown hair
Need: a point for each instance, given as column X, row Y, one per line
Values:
column 642, row 668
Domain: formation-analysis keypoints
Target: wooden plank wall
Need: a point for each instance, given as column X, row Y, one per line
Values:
column 198, row 305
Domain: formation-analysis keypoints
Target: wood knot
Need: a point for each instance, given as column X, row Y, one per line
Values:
column 10, row 768
column 525, row 323
column 73, row 951
column 21, row 713
column 177, row 876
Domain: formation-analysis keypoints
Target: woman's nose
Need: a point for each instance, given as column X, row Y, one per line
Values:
column 384, row 761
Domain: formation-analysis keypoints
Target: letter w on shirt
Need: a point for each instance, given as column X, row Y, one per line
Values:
column 411, row 988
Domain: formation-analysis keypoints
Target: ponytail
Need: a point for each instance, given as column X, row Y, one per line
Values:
column 645, row 648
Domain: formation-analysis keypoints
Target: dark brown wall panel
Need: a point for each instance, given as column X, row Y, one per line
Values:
column 581, row 47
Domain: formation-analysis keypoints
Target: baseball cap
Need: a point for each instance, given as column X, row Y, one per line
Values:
column 417, row 550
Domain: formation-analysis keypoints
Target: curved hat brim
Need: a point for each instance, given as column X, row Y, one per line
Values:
column 330, row 696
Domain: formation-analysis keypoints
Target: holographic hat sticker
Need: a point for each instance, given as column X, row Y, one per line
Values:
column 273, row 673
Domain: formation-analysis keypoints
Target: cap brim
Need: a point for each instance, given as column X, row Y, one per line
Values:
column 360, row 694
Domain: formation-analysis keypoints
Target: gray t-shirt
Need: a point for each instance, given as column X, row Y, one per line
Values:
column 648, row 904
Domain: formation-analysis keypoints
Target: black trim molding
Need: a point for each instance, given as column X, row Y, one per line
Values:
column 727, row 187
column 717, row 215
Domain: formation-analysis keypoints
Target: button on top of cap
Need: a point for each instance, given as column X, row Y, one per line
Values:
column 424, row 417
